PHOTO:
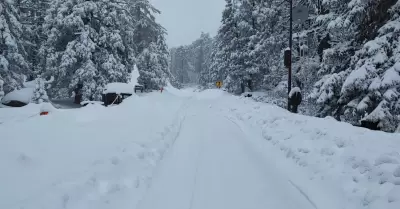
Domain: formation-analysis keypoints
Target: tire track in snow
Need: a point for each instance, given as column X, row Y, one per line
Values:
column 249, row 147
column 195, row 177
column 179, row 119
column 303, row 193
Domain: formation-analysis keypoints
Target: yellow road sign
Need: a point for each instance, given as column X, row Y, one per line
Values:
column 218, row 84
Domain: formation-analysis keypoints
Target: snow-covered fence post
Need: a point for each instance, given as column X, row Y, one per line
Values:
column 295, row 99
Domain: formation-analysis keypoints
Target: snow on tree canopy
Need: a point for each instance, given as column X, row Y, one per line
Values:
column 13, row 64
column 90, row 43
column 119, row 88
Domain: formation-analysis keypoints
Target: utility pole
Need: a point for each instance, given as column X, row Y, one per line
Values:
column 290, row 48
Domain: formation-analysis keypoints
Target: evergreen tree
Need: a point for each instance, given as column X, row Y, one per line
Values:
column 40, row 91
column 226, row 44
column 191, row 61
column 32, row 14
column 13, row 63
column 371, row 91
column 360, row 78
column 150, row 46
column 88, row 42
column 153, row 74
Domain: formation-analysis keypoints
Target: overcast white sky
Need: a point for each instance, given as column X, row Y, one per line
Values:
column 186, row 19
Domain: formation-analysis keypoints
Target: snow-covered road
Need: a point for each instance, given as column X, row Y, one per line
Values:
column 190, row 149
column 213, row 165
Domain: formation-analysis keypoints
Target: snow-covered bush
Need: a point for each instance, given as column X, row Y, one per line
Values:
column 40, row 91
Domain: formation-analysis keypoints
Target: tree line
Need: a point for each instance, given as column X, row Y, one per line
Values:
column 346, row 56
column 81, row 42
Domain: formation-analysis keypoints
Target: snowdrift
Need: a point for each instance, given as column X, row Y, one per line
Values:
column 98, row 157
column 361, row 165
column 10, row 115
column 188, row 92
column 210, row 94
column 92, row 157
column 23, row 95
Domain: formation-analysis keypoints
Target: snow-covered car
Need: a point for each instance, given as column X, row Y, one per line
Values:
column 18, row 98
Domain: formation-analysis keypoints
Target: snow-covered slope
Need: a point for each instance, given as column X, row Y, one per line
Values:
column 362, row 166
column 93, row 157
column 189, row 149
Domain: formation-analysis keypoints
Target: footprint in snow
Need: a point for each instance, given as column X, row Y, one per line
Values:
column 115, row 160
column 65, row 200
column 24, row 159
column 396, row 172
column 303, row 150
column 340, row 143
column 327, row 151
column 386, row 159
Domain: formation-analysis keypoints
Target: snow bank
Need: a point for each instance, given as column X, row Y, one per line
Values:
column 47, row 107
column 91, row 157
column 210, row 94
column 10, row 115
column 187, row 92
column 119, row 88
column 361, row 165
column 23, row 95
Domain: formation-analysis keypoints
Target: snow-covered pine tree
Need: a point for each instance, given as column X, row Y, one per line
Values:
column 40, row 91
column 244, row 70
column 191, row 61
column 338, row 22
column 205, row 74
column 151, row 68
column 201, row 52
column 360, row 79
column 181, row 64
column 32, row 13
column 88, row 42
column 150, row 46
column 269, row 41
column 371, row 92
column 13, row 63
column 226, row 46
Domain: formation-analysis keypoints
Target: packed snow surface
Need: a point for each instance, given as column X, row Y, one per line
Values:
column 185, row 149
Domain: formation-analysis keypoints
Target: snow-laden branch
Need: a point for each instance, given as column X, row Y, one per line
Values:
column 49, row 81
